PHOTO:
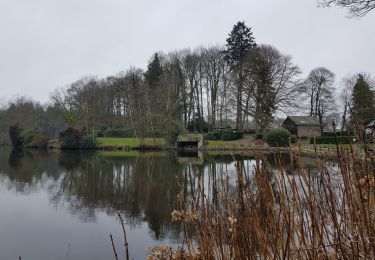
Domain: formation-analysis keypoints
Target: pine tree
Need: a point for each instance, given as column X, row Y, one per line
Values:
column 154, row 73
column 363, row 109
column 239, row 43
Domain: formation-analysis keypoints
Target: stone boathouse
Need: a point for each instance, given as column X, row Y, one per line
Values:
column 302, row 126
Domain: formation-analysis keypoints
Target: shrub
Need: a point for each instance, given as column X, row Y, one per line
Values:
column 332, row 139
column 237, row 135
column 118, row 132
column 259, row 136
column 214, row 136
column 278, row 137
column 28, row 137
column 70, row 138
column 33, row 140
column 225, row 135
column 250, row 131
column 293, row 139
column 171, row 130
column 99, row 132
column 198, row 125
column 15, row 135
column 304, row 137
column 87, row 142
column 75, row 139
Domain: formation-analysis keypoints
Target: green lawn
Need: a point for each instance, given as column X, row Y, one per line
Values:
column 127, row 142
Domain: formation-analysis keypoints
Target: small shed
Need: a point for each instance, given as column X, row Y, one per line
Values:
column 189, row 141
column 302, row 125
column 370, row 129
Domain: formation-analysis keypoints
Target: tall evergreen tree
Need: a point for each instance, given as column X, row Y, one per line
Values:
column 154, row 73
column 239, row 42
column 363, row 109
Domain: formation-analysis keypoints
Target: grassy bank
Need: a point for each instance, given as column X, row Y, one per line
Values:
column 130, row 143
column 330, row 150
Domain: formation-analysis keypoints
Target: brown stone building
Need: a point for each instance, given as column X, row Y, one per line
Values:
column 302, row 126
column 370, row 129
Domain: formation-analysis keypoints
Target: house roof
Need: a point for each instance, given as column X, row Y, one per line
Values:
column 304, row 120
column 371, row 124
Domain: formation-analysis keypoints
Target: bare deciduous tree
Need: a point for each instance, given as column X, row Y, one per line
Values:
column 357, row 8
column 271, row 84
column 318, row 88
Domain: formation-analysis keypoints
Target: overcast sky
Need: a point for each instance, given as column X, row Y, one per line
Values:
column 45, row 44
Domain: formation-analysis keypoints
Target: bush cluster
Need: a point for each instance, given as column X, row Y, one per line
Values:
column 198, row 125
column 332, row 139
column 250, row 131
column 278, row 137
column 35, row 140
column 28, row 139
column 259, row 136
column 75, row 139
column 225, row 135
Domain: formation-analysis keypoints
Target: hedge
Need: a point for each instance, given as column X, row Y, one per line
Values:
column 332, row 140
column 118, row 132
column 338, row 133
column 225, row 135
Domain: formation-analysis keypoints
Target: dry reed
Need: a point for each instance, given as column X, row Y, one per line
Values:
column 283, row 214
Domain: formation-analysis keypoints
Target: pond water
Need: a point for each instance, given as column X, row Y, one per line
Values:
column 64, row 205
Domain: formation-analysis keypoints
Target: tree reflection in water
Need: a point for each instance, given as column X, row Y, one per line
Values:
column 142, row 187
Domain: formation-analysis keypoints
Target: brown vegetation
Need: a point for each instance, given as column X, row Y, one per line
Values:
column 288, row 213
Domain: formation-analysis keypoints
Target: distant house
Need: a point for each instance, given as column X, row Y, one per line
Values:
column 370, row 129
column 302, row 125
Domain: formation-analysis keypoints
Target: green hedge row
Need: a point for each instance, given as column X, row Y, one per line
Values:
column 225, row 135
column 118, row 132
column 332, row 140
column 338, row 133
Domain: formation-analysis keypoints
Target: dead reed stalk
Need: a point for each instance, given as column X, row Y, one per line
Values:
column 284, row 213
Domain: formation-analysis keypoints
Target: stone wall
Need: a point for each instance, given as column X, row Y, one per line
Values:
column 308, row 131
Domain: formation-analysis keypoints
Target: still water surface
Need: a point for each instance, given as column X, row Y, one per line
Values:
column 63, row 205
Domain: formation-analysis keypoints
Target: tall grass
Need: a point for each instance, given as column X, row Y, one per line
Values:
column 285, row 214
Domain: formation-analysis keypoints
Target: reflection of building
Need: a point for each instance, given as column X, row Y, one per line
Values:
column 302, row 125
column 190, row 157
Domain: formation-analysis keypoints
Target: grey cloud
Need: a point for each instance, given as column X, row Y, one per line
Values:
column 49, row 43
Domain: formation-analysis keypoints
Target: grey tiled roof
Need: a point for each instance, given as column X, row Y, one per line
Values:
column 305, row 120
column 371, row 124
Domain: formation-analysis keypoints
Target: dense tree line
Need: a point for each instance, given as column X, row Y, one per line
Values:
column 241, row 84
column 27, row 116
column 187, row 88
